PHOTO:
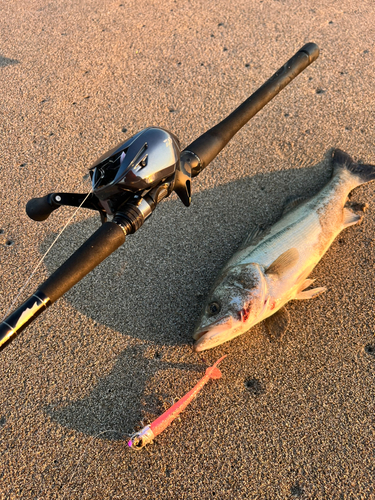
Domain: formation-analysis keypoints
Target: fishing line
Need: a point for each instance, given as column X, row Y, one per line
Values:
column 48, row 250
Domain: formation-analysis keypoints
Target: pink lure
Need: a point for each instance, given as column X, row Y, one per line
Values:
column 148, row 433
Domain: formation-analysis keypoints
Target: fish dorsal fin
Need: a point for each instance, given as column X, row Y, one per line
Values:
column 253, row 237
column 284, row 262
column 277, row 324
column 350, row 218
column 293, row 202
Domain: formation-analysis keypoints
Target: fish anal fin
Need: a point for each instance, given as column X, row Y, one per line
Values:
column 310, row 294
column 351, row 218
column 284, row 262
column 277, row 324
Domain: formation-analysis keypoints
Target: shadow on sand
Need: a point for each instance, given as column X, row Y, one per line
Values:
column 5, row 61
column 153, row 288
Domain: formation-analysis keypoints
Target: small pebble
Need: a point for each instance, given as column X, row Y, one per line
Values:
column 370, row 349
column 296, row 491
column 254, row 386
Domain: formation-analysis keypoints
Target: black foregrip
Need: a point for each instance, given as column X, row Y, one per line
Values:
column 208, row 145
column 41, row 208
column 100, row 245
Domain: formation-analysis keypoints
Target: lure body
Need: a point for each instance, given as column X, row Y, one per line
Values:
column 148, row 433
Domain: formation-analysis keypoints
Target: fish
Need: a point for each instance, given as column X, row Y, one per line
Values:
column 272, row 265
column 146, row 435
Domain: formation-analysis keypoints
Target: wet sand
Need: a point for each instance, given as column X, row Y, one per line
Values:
column 289, row 419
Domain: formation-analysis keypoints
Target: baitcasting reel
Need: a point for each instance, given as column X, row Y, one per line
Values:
column 129, row 181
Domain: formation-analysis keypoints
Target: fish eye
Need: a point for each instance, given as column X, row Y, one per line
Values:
column 213, row 308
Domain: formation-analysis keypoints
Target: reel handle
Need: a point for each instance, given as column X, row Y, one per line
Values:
column 40, row 209
column 129, row 218
column 108, row 238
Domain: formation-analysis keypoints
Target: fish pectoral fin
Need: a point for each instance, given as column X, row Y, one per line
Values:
column 277, row 324
column 310, row 294
column 284, row 262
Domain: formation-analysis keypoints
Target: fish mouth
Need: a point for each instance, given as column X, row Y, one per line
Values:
column 200, row 333
column 216, row 334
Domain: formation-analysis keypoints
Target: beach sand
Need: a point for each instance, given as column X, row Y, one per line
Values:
column 289, row 419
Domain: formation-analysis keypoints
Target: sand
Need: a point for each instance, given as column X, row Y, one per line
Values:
column 289, row 419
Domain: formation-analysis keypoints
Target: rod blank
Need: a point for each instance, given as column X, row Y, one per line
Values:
column 209, row 145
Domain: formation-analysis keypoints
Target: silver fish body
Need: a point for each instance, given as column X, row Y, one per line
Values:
column 272, row 267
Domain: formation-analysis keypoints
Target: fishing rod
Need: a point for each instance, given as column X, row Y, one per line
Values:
column 130, row 180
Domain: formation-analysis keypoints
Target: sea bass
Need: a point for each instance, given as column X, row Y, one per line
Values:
column 272, row 266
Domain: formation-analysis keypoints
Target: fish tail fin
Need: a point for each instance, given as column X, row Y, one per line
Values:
column 341, row 160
